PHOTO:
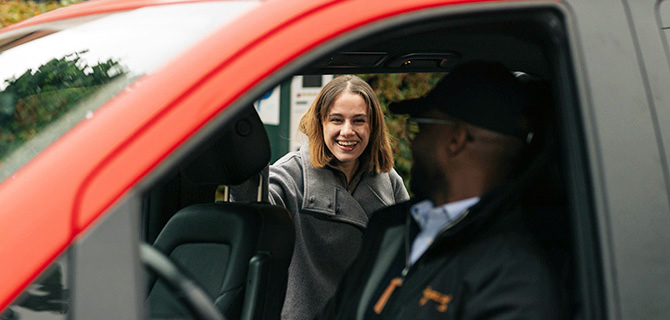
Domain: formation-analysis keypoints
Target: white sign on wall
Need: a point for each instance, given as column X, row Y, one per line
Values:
column 268, row 107
column 303, row 92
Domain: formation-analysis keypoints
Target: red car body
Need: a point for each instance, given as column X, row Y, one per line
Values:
column 127, row 137
column 618, row 79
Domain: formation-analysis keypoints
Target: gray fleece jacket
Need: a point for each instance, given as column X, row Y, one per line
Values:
column 329, row 223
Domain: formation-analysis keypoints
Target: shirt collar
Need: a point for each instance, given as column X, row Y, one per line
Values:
column 425, row 212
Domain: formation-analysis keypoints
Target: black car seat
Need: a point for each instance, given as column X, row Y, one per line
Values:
column 238, row 252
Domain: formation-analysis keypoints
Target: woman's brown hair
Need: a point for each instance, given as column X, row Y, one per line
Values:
column 311, row 123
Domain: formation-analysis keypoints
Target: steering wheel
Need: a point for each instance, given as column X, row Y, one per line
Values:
column 185, row 289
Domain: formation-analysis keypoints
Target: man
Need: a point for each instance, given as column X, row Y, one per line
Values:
column 460, row 249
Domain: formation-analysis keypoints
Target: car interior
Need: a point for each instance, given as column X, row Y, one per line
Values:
column 238, row 251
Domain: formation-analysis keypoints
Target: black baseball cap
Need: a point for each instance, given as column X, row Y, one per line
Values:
column 484, row 94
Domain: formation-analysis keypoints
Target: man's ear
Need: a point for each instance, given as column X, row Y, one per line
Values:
column 457, row 139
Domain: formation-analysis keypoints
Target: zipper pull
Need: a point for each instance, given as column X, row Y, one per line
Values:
column 384, row 298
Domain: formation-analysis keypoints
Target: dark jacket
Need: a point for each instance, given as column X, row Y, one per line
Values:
column 486, row 266
column 329, row 223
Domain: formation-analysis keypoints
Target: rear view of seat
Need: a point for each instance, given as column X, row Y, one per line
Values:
column 238, row 252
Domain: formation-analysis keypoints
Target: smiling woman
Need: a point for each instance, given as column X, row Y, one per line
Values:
column 332, row 187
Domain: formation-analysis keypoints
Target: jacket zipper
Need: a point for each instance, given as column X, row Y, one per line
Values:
column 449, row 225
column 407, row 268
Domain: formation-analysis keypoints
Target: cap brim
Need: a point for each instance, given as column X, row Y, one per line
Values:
column 411, row 107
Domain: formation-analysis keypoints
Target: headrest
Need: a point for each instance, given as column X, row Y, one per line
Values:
column 234, row 155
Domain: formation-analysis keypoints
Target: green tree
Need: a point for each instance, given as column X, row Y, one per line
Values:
column 13, row 11
column 37, row 98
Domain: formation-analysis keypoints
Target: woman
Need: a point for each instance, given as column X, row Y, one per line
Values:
column 332, row 187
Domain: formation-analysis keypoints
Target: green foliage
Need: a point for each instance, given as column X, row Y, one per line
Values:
column 397, row 87
column 13, row 11
column 37, row 98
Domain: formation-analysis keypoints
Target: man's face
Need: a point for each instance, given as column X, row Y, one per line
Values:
column 429, row 169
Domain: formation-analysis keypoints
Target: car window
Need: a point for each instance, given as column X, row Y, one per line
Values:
column 48, row 298
column 495, row 38
column 51, row 80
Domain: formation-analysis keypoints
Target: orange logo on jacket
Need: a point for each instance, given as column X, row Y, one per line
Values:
column 440, row 298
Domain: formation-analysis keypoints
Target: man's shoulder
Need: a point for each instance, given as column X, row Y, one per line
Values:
column 507, row 245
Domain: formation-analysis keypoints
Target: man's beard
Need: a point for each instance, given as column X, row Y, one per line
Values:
column 424, row 183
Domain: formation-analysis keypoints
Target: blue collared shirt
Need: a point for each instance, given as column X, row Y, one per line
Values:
column 432, row 219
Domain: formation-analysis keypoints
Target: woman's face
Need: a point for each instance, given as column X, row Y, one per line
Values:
column 346, row 128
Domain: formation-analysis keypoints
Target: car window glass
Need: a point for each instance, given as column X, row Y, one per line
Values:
column 46, row 299
column 51, row 83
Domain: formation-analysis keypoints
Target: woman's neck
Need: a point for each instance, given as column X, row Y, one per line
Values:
column 349, row 168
